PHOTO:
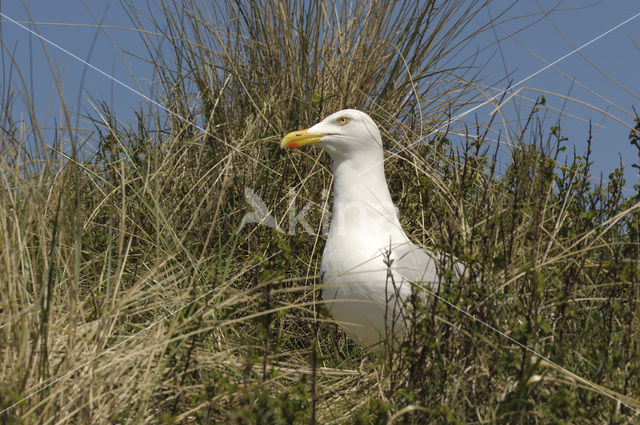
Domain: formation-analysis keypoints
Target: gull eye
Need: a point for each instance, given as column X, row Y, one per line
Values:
column 343, row 120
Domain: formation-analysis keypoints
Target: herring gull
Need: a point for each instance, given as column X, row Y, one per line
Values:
column 368, row 264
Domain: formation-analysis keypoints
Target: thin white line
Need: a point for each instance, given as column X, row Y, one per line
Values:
column 136, row 92
column 491, row 99
column 521, row 345
column 130, row 337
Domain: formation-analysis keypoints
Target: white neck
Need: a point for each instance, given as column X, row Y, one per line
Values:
column 361, row 200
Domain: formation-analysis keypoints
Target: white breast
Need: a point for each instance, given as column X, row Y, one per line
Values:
column 363, row 294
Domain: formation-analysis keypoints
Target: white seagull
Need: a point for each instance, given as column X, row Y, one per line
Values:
column 369, row 263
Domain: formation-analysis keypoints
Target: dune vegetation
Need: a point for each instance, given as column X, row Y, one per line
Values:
column 137, row 286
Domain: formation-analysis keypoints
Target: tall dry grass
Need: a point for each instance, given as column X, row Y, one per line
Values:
column 131, row 293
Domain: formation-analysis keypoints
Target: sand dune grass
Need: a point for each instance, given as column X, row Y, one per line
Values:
column 132, row 293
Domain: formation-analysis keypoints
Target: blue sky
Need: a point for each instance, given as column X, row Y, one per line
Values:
column 616, row 84
column 616, row 54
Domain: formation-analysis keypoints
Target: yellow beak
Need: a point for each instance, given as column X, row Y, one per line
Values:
column 296, row 139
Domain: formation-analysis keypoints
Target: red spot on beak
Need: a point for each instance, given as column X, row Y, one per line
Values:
column 293, row 145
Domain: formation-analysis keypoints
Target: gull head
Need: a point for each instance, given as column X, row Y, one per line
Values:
column 345, row 134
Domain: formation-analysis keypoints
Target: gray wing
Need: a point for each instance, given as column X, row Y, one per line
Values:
column 418, row 265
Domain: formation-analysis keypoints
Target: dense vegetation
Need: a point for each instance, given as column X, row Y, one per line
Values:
column 132, row 291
